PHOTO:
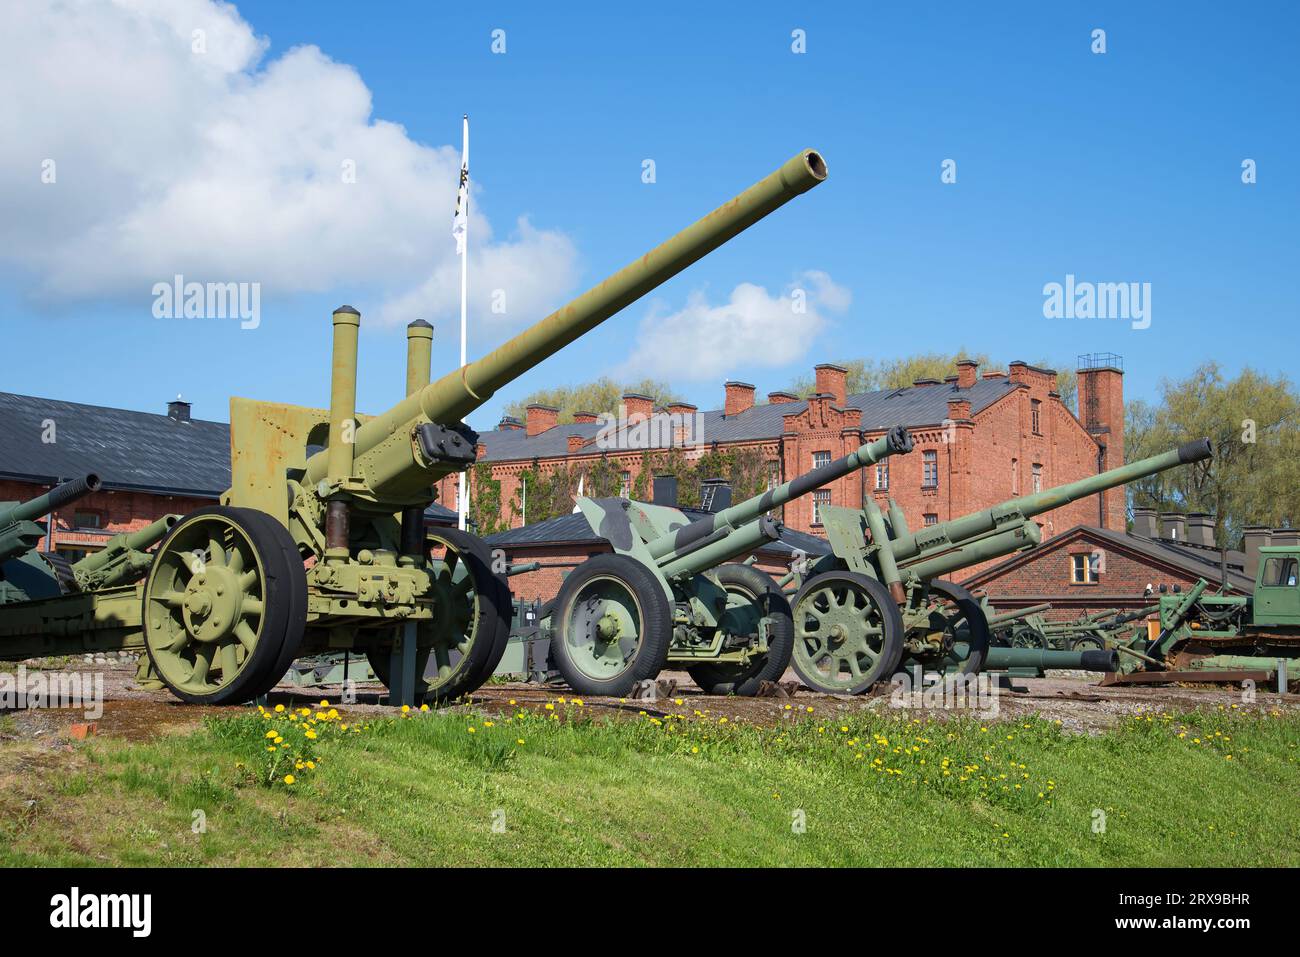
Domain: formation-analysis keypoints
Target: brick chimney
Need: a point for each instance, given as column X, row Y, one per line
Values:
column 637, row 407
column 924, row 383
column 541, row 417
column 966, row 373
column 586, row 418
column 777, row 398
column 994, row 374
column 1286, row 536
column 740, row 398
column 1174, row 525
column 1200, row 528
column 959, row 409
column 681, row 408
column 833, row 380
column 575, row 443
column 1144, row 522
column 509, row 422
column 1253, row 538
column 1101, row 410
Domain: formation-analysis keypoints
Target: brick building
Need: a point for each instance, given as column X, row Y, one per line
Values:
column 980, row 439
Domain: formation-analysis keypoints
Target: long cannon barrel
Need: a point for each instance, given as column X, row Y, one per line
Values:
column 454, row 396
column 1091, row 660
column 895, row 441
column 978, row 523
column 55, row 498
column 1015, row 614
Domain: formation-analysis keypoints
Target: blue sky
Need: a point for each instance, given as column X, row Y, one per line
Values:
column 1118, row 167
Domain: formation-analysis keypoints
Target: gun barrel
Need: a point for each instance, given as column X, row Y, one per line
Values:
column 1091, row 660
column 896, row 441
column 54, row 499
column 978, row 523
column 723, row 549
column 139, row 540
column 454, row 396
column 1015, row 614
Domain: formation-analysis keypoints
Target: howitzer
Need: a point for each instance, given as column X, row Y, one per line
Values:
column 879, row 602
column 20, row 532
column 673, row 591
column 228, row 602
column 123, row 559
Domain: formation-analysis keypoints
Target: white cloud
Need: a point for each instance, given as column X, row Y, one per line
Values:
column 700, row 341
column 223, row 167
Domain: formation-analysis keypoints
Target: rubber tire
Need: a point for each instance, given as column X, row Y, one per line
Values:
column 493, row 622
column 278, row 600
column 977, row 622
column 892, row 622
column 656, row 624
column 727, row 679
column 297, row 604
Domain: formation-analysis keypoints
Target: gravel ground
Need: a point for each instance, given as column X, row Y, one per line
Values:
column 1073, row 698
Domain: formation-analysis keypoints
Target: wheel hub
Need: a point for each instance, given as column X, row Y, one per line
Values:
column 211, row 606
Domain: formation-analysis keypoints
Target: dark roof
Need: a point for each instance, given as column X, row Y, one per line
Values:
column 128, row 450
column 913, row 406
column 1194, row 560
column 573, row 529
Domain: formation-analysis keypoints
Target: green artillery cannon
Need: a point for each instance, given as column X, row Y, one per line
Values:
column 671, row 592
column 880, row 602
column 23, row 574
column 1030, row 629
column 1040, row 659
column 229, row 602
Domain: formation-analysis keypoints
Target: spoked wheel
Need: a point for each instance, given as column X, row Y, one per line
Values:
column 471, row 625
column 848, row 633
column 611, row 626
column 1029, row 637
column 1088, row 642
column 752, row 598
column 956, row 628
column 225, row 597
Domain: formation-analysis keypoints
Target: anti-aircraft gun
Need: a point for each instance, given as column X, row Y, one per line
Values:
column 671, row 592
column 880, row 601
column 228, row 602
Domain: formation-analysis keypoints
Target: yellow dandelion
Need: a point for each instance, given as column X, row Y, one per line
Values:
column 289, row 779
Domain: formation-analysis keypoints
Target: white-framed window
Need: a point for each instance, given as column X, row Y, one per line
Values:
column 821, row 459
column 1037, row 478
column 820, row 498
column 625, row 485
column 882, row 476
column 930, row 469
column 930, row 518
column 1083, row 570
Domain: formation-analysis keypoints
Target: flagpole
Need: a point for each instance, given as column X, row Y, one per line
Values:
column 464, row 279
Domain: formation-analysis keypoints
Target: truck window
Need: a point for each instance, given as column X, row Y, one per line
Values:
column 1280, row 572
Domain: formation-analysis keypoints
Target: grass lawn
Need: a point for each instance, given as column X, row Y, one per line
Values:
column 1209, row 788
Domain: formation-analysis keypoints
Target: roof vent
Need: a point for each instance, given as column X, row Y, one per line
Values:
column 178, row 409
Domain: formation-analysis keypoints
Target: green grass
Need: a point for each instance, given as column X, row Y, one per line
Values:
column 426, row 790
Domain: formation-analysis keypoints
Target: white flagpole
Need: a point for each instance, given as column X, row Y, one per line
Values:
column 464, row 277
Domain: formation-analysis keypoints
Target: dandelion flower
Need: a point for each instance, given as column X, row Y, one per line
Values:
column 289, row 779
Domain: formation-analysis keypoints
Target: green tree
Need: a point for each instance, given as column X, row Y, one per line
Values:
column 602, row 395
column 1253, row 421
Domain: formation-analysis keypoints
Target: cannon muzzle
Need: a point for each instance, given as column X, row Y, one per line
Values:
column 896, row 441
column 451, row 398
column 54, row 499
column 1091, row 660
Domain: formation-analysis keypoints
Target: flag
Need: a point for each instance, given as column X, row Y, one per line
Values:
column 460, row 221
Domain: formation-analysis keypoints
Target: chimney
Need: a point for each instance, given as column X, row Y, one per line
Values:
column 178, row 409
column 1200, row 529
column 1175, row 526
column 922, row 383
column 585, row 418
column 1253, row 538
column 959, row 410
column 777, row 398
column 1144, row 522
column 740, row 398
column 966, row 373
column 995, row 374
column 665, row 490
column 541, row 417
column 681, row 408
column 509, row 422
column 717, row 493
column 637, row 407
column 575, row 443
column 1286, row 536
column 1101, row 410
column 833, row 381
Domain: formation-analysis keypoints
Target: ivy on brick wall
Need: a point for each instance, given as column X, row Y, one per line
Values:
column 485, row 500
column 744, row 469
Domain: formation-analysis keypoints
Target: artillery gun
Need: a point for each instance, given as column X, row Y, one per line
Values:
column 880, row 602
column 229, row 601
column 23, row 573
column 672, row 594
column 1028, row 628
column 1039, row 660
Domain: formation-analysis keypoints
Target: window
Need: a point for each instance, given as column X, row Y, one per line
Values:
column 773, row 475
column 625, row 485
column 819, row 499
column 1279, row 571
column 820, row 459
column 930, row 469
column 86, row 520
column 1036, row 416
column 882, row 476
column 1015, row 476
column 930, row 518
column 1037, row 478
column 1083, row 569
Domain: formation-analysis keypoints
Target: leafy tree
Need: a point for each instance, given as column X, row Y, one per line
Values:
column 602, row 395
column 1253, row 421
